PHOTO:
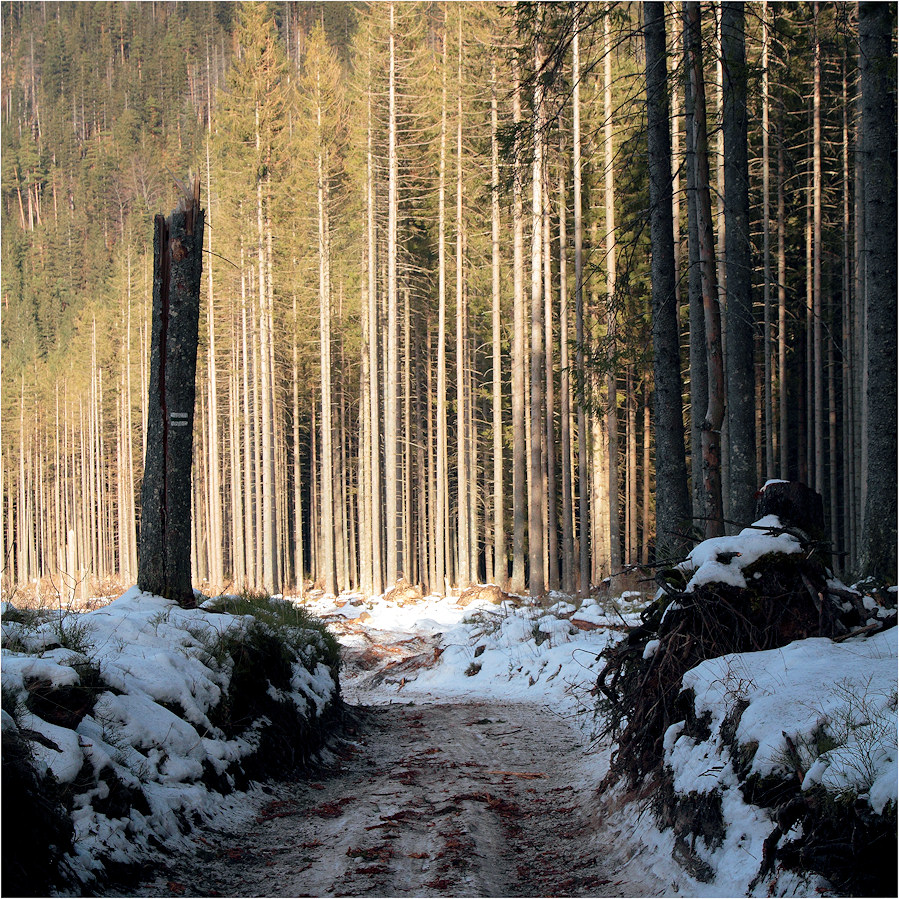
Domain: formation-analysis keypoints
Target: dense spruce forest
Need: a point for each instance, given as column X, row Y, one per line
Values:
column 440, row 334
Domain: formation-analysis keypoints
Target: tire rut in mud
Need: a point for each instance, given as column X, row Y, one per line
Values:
column 470, row 799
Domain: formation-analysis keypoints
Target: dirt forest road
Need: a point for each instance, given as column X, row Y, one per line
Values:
column 469, row 799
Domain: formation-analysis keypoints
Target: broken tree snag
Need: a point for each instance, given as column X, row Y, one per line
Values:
column 164, row 559
column 797, row 506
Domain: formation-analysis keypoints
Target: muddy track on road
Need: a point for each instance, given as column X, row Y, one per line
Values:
column 469, row 799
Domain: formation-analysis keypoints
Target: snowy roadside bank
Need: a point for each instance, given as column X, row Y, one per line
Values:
column 125, row 726
column 769, row 752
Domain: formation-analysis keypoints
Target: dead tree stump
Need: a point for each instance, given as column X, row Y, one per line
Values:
column 797, row 506
column 165, row 535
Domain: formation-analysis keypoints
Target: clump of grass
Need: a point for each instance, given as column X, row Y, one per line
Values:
column 290, row 623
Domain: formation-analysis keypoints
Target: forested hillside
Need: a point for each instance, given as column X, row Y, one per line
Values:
column 435, row 340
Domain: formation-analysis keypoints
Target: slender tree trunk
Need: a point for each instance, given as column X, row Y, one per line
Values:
column 714, row 417
column 568, row 568
column 391, row 409
column 464, row 474
column 770, row 435
column 519, row 479
column 672, row 496
column 611, row 300
column 500, row 567
column 374, row 522
column 631, row 465
column 217, row 540
column 442, row 534
column 647, row 474
column 818, row 309
column 848, row 353
column 552, row 534
column 782, row 385
column 537, row 582
column 582, row 437
column 328, row 524
column 742, row 475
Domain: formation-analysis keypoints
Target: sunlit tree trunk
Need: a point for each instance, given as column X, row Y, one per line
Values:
column 519, row 479
column 375, row 521
column 537, row 581
column 500, row 567
column 217, row 540
column 551, row 552
column 442, row 536
column 463, row 512
column 611, row 303
column 767, row 345
column 568, row 568
column 582, row 437
column 391, row 408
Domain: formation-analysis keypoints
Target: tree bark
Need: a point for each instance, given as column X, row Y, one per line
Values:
column 742, row 478
column 519, row 457
column 878, row 87
column 583, row 529
column 714, row 417
column 164, row 564
column 392, row 510
column 536, row 581
column 442, row 535
column 672, row 496
column 500, row 569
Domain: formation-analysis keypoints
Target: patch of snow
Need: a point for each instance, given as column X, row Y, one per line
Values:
column 803, row 692
column 723, row 559
column 151, row 729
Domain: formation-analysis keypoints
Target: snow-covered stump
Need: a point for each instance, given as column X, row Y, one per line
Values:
column 757, row 595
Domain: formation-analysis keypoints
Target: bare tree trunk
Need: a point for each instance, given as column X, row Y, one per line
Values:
column 647, row 475
column 463, row 423
column 818, row 310
column 783, row 418
column 770, row 435
column 537, row 583
column 442, row 535
column 631, row 466
column 672, row 496
column 500, row 567
column 877, row 24
column 742, row 476
column 392, row 360
column 552, row 535
column 568, row 568
column 217, row 540
column 519, row 481
column 166, row 501
column 582, row 437
column 848, row 353
column 327, row 524
column 714, row 417
column 611, row 284
column 374, row 522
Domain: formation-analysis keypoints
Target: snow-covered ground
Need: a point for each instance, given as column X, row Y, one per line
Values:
column 153, row 675
column 835, row 701
column 155, row 656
